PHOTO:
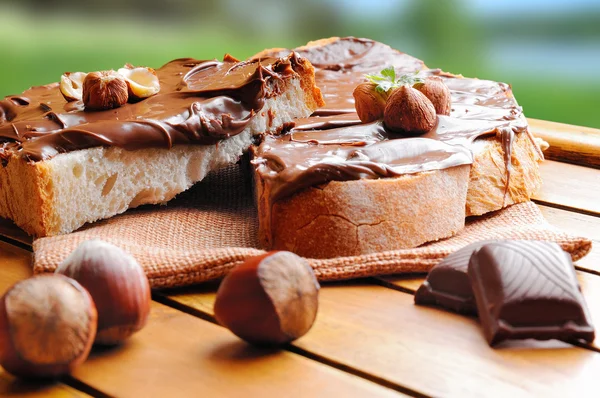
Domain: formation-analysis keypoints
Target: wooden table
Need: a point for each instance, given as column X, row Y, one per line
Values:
column 369, row 339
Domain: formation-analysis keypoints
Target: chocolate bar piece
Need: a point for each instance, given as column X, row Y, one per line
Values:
column 447, row 284
column 528, row 289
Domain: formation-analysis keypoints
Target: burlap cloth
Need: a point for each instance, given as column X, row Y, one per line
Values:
column 212, row 227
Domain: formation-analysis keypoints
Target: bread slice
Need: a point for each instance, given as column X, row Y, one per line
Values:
column 365, row 216
column 62, row 193
column 347, row 216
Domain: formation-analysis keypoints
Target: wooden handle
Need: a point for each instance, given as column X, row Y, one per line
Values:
column 571, row 144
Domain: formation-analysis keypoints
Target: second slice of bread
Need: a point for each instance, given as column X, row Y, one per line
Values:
column 345, row 218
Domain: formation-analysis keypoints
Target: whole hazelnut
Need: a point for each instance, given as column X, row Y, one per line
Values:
column 438, row 93
column 409, row 111
column 270, row 299
column 104, row 90
column 47, row 326
column 117, row 284
column 369, row 102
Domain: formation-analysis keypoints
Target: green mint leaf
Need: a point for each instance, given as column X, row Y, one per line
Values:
column 375, row 78
column 386, row 80
column 389, row 73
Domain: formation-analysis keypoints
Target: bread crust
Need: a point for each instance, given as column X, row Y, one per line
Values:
column 312, row 93
column 24, row 197
column 487, row 181
column 366, row 216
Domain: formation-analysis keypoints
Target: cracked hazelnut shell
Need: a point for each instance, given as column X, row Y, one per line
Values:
column 104, row 90
column 118, row 285
column 142, row 82
column 270, row 299
column 47, row 326
column 408, row 111
column 71, row 85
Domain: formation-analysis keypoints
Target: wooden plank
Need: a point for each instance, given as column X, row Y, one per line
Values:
column 569, row 186
column 180, row 355
column 13, row 387
column 380, row 331
column 15, row 265
column 580, row 225
column 590, row 286
column 11, row 231
column 574, row 223
column 568, row 143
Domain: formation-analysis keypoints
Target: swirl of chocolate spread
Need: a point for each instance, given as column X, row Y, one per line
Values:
column 333, row 144
column 200, row 102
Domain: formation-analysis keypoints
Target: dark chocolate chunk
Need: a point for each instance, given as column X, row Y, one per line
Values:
column 528, row 289
column 447, row 284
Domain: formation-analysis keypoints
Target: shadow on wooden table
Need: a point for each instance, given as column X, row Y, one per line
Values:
column 240, row 351
column 10, row 385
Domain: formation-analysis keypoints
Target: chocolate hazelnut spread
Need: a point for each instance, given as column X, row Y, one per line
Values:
column 333, row 144
column 200, row 102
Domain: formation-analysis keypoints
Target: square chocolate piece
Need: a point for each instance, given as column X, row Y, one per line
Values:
column 528, row 289
column 447, row 284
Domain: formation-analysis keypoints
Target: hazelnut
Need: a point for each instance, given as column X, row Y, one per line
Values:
column 117, row 284
column 409, row 111
column 141, row 82
column 104, row 90
column 270, row 299
column 369, row 102
column 71, row 85
column 47, row 326
column 438, row 93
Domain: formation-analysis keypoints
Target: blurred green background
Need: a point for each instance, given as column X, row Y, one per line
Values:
column 549, row 51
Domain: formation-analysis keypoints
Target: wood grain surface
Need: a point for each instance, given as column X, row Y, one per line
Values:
column 570, row 186
column 578, row 224
column 380, row 331
column 180, row 355
column 571, row 144
column 13, row 387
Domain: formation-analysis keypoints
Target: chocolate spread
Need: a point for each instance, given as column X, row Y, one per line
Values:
column 333, row 144
column 200, row 102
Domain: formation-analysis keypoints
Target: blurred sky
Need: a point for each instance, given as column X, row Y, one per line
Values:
column 548, row 50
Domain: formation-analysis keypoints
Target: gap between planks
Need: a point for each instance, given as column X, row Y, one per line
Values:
column 209, row 317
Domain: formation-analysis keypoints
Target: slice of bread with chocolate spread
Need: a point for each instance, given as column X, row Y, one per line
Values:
column 64, row 165
column 335, row 186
